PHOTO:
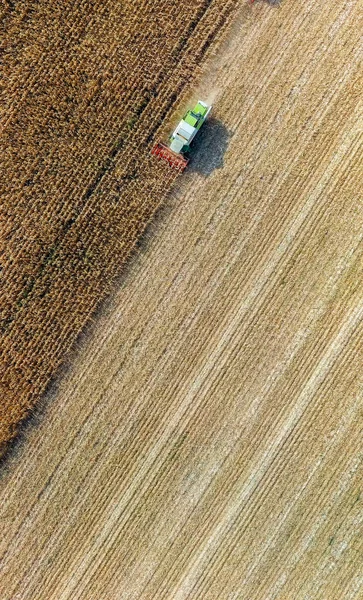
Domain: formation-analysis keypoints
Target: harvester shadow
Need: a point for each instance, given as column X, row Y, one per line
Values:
column 209, row 148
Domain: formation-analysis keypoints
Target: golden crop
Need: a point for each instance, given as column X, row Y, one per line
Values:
column 87, row 87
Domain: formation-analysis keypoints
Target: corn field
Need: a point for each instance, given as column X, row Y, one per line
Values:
column 87, row 88
column 206, row 441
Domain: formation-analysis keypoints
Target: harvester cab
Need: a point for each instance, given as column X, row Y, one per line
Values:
column 182, row 137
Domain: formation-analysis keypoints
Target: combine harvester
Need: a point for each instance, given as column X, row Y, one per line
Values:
column 182, row 137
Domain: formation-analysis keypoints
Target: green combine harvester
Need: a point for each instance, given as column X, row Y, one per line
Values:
column 182, row 137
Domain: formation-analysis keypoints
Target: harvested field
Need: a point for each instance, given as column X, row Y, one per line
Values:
column 207, row 442
column 86, row 89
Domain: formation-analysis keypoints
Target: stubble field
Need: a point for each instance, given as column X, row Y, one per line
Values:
column 207, row 441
